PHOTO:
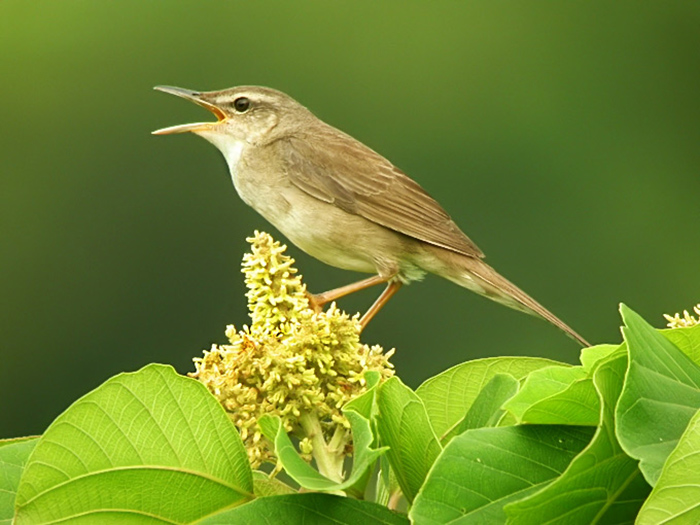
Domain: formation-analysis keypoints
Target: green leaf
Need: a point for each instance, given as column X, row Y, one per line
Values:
column 365, row 404
column 264, row 485
column 387, row 484
column 449, row 395
column 373, row 378
column 144, row 447
column 364, row 456
column 687, row 339
column 294, row 465
column 482, row 470
column 591, row 355
column 660, row 395
column 14, row 441
column 556, row 395
column 486, row 410
column 602, row 484
column 307, row 509
column 403, row 425
column 13, row 456
column 676, row 496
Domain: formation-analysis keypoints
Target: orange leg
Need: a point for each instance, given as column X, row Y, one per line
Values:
column 317, row 301
column 387, row 294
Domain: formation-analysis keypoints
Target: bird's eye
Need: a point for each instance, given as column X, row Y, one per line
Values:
column 241, row 104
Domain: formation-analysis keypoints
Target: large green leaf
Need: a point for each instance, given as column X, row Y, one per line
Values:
column 482, row 470
column 266, row 486
column 13, row 456
column 144, row 447
column 661, row 394
column 14, row 441
column 449, row 395
column 556, row 395
column 562, row 395
column 486, row 410
column 307, row 509
column 676, row 496
column 592, row 355
column 602, row 484
column 403, row 425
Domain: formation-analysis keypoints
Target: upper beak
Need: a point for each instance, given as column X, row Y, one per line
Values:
column 199, row 99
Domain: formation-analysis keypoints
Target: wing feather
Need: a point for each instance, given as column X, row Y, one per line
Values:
column 335, row 168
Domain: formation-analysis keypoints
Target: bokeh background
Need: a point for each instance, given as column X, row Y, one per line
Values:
column 564, row 138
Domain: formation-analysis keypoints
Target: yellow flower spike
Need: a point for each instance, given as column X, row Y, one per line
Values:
column 290, row 361
column 686, row 320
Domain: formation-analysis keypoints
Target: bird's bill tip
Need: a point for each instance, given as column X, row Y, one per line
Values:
column 178, row 91
column 184, row 128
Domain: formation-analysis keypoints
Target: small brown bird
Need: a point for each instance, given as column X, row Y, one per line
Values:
column 340, row 201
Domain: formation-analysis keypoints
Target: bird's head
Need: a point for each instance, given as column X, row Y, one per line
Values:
column 245, row 114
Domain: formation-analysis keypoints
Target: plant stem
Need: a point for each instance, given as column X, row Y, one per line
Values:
column 329, row 457
column 339, row 440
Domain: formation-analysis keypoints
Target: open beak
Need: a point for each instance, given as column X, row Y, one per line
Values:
column 199, row 99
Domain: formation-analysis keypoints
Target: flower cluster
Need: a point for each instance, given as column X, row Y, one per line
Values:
column 291, row 361
column 678, row 321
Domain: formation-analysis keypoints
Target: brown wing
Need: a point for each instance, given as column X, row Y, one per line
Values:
column 362, row 182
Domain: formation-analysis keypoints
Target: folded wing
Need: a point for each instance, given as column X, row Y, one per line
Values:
column 335, row 168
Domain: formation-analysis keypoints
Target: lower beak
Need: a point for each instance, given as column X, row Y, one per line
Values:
column 199, row 99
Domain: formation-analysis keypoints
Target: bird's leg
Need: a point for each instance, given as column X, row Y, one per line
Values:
column 387, row 294
column 317, row 301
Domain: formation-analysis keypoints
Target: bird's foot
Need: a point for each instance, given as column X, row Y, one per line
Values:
column 315, row 302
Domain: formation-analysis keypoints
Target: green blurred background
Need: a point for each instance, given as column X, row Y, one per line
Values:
column 563, row 137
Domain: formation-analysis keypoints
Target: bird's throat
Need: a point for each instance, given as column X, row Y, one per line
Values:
column 231, row 148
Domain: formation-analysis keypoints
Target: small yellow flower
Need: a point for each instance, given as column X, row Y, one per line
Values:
column 678, row 321
column 290, row 362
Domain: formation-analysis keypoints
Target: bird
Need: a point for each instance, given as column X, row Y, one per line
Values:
column 340, row 201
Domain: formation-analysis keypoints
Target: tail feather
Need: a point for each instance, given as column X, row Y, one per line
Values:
column 476, row 275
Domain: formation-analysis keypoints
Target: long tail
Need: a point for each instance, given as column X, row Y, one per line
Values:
column 476, row 275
